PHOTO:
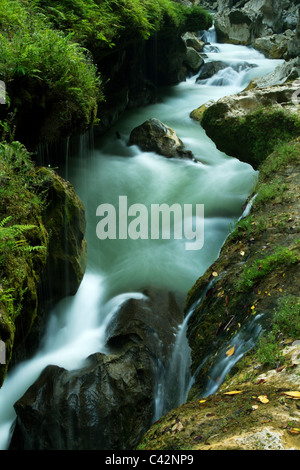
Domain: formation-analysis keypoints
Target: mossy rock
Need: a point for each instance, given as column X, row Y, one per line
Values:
column 250, row 124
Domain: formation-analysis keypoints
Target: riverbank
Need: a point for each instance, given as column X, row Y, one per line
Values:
column 256, row 278
column 251, row 305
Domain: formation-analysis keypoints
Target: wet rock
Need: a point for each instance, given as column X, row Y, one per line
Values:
column 105, row 405
column 155, row 136
column 108, row 403
column 193, row 59
column 192, row 40
column 64, row 219
column 209, row 69
column 288, row 71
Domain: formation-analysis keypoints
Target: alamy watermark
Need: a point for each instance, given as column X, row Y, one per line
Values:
column 2, row 92
column 2, row 352
column 160, row 221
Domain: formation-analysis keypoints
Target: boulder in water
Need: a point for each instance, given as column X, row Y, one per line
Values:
column 209, row 69
column 155, row 136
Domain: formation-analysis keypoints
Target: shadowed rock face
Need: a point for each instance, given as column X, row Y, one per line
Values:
column 109, row 402
column 154, row 136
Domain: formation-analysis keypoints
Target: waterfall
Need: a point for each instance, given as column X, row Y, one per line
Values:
column 120, row 269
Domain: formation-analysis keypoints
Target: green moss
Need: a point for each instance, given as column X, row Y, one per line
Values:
column 253, row 137
column 23, row 243
column 281, row 258
column 285, row 324
column 102, row 24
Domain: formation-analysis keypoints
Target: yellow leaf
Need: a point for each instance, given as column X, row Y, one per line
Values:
column 215, row 274
column 263, row 399
column 293, row 394
column 234, row 392
column 294, row 431
column 230, row 351
column 254, row 407
column 202, row 401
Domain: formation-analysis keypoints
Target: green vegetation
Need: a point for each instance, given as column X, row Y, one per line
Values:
column 105, row 22
column 47, row 55
column 260, row 268
column 253, row 137
column 45, row 72
column 285, row 324
column 20, row 243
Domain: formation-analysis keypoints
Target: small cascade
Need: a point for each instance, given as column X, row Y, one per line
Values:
column 241, row 344
column 174, row 383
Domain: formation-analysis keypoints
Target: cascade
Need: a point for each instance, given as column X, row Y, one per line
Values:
column 119, row 269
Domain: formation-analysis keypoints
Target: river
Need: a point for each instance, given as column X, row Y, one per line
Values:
column 119, row 268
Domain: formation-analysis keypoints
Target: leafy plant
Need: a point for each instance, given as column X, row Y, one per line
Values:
column 260, row 268
column 12, row 239
column 286, row 323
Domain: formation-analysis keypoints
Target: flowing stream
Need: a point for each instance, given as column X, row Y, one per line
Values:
column 119, row 269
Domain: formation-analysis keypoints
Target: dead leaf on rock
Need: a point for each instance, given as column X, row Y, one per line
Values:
column 230, row 351
column 233, row 392
column 294, row 431
column 293, row 394
column 263, row 399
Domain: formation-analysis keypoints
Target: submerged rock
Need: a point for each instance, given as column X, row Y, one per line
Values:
column 108, row 403
column 155, row 136
column 209, row 69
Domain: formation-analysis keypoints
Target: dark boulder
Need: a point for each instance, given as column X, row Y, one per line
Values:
column 155, row 136
column 109, row 403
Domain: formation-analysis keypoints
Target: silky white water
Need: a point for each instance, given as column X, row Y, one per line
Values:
column 120, row 269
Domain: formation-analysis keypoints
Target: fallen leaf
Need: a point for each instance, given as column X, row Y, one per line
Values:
column 263, row 399
column 254, row 407
column 294, row 431
column 293, row 394
column 230, row 351
column 234, row 392
column 215, row 274
column 202, row 401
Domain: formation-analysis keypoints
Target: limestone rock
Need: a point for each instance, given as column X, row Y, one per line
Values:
column 248, row 20
column 191, row 40
column 287, row 71
column 274, row 46
column 154, row 136
column 230, row 122
column 193, row 59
